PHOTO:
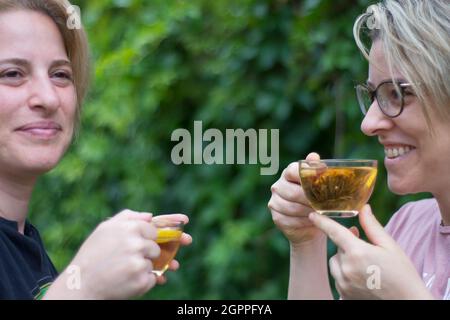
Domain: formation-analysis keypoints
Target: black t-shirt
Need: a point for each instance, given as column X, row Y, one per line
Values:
column 26, row 271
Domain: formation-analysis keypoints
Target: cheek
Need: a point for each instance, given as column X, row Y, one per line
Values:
column 69, row 99
column 10, row 100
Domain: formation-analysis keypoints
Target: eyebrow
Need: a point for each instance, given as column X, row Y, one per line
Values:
column 17, row 61
column 26, row 63
column 61, row 62
column 398, row 80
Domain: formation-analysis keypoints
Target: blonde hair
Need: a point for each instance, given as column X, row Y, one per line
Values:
column 415, row 37
column 75, row 40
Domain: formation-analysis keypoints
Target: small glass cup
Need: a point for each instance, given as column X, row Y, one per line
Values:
column 168, row 239
column 338, row 188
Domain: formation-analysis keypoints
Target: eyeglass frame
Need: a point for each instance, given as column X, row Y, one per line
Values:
column 373, row 95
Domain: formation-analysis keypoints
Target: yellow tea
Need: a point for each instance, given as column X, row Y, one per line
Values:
column 169, row 242
column 338, row 191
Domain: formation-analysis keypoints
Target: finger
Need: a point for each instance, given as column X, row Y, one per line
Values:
column 313, row 156
column 173, row 216
column 149, row 265
column 339, row 290
column 374, row 230
column 290, row 191
column 335, row 268
column 161, row 279
column 284, row 221
column 339, row 234
column 151, row 249
column 312, row 161
column 186, row 239
column 336, row 272
column 355, row 231
column 134, row 215
column 291, row 173
column 174, row 265
column 151, row 281
column 288, row 208
column 146, row 229
column 290, row 226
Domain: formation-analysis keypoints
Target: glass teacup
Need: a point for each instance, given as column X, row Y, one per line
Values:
column 338, row 187
column 168, row 239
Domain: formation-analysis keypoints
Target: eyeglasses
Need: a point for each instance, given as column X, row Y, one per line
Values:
column 390, row 97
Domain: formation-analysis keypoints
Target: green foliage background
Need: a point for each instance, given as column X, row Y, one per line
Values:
column 161, row 64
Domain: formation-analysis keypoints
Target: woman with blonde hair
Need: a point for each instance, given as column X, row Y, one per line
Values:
column 406, row 105
column 44, row 73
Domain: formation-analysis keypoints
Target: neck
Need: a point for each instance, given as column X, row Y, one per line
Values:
column 444, row 206
column 15, row 194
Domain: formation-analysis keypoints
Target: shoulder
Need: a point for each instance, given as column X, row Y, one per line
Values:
column 415, row 210
column 416, row 214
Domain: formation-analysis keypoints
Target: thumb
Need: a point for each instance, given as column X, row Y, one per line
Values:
column 313, row 160
column 374, row 230
column 313, row 156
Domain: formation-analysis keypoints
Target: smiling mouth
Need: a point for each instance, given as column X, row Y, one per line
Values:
column 41, row 133
column 392, row 153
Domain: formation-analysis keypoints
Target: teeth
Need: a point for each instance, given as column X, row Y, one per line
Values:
column 396, row 152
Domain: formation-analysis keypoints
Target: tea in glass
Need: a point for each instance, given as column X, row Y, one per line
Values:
column 168, row 239
column 338, row 188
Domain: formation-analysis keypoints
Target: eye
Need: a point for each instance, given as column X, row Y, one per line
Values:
column 394, row 94
column 13, row 77
column 63, row 75
column 11, row 74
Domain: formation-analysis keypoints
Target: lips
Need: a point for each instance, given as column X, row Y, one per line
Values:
column 42, row 125
column 43, row 130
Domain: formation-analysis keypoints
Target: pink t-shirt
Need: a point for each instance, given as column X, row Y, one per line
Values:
column 418, row 230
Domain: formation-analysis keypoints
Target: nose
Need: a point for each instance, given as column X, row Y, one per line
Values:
column 375, row 121
column 43, row 95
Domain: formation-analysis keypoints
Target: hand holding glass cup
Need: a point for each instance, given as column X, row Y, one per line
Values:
column 338, row 188
column 168, row 238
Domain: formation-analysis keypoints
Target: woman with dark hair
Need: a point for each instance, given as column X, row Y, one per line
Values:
column 44, row 73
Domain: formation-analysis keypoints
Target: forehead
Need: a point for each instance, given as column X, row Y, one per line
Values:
column 29, row 34
column 378, row 65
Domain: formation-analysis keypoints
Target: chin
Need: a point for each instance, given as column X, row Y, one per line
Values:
column 46, row 167
column 42, row 167
column 40, row 164
column 401, row 187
